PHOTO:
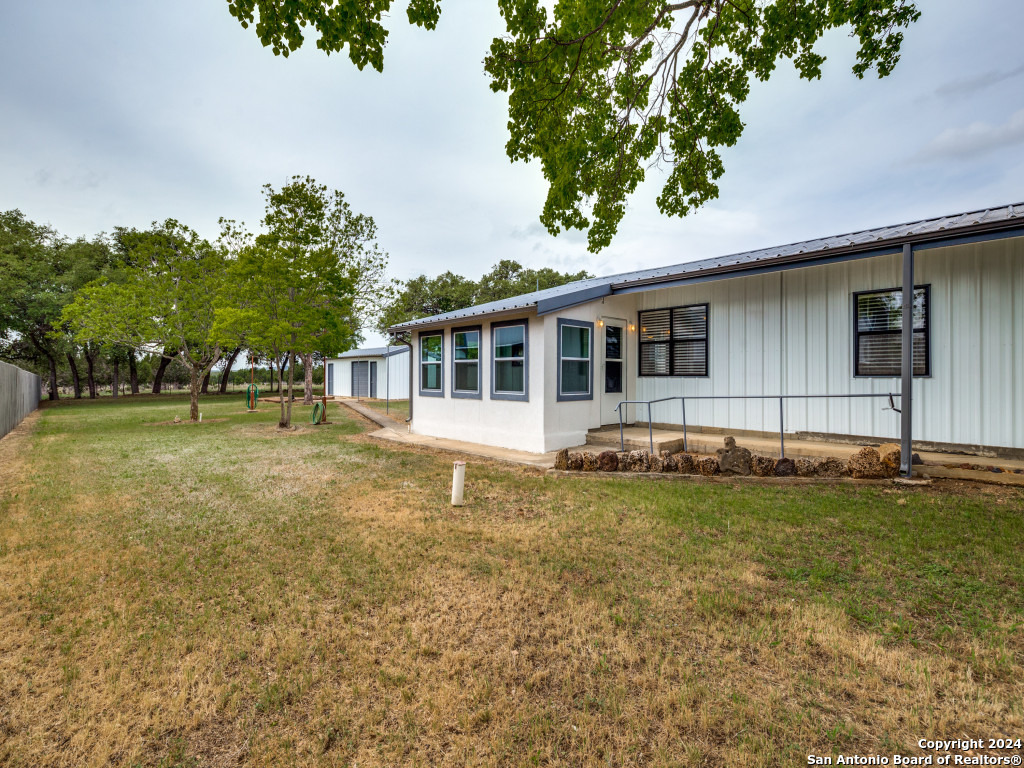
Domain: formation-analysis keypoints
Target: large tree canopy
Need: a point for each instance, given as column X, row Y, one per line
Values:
column 307, row 283
column 602, row 90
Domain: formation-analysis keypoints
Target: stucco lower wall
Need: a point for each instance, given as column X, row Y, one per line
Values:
column 502, row 423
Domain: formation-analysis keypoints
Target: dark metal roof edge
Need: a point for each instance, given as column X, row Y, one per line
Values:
column 547, row 306
column 961, row 235
column 439, row 320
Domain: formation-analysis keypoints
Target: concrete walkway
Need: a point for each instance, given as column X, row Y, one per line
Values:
column 398, row 432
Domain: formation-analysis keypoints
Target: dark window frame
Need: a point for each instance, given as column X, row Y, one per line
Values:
column 523, row 397
column 465, row 393
column 621, row 359
column 672, row 342
column 439, row 392
column 857, row 333
column 575, row 396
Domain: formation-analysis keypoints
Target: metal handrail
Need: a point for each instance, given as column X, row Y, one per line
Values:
column 782, row 426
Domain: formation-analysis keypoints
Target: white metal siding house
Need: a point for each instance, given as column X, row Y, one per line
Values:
column 381, row 372
column 822, row 317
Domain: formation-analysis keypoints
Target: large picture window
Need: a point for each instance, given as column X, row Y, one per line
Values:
column 878, row 332
column 432, row 364
column 466, row 362
column 509, row 361
column 674, row 341
column 575, row 360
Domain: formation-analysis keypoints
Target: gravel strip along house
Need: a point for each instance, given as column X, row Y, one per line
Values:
column 537, row 372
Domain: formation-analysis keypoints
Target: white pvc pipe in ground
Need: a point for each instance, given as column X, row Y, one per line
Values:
column 458, row 483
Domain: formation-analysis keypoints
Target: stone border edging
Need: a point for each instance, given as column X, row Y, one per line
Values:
column 753, row 479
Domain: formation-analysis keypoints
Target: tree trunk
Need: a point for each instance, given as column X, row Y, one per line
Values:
column 206, row 382
column 285, row 420
column 158, row 379
column 291, row 383
column 270, row 362
column 307, row 364
column 90, row 377
column 76, row 381
column 133, row 372
column 193, row 409
column 115, row 379
column 53, row 378
column 227, row 370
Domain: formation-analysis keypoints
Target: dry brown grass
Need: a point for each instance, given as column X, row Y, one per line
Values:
column 223, row 598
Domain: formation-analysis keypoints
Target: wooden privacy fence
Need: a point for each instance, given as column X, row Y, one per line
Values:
column 19, row 396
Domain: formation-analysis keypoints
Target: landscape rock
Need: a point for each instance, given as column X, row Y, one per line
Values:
column 785, row 468
column 657, row 464
column 686, row 464
column 866, row 464
column 709, row 466
column 830, row 466
column 608, row 461
column 669, row 464
column 575, row 462
column 732, row 459
column 889, row 454
column 806, row 467
column 639, row 461
column 589, row 462
column 562, row 459
column 915, row 458
column 623, row 458
column 762, row 466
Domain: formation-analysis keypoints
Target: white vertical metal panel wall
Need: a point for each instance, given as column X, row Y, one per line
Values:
column 792, row 333
column 392, row 375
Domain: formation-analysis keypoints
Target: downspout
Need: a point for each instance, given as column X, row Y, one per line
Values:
column 400, row 340
column 907, row 363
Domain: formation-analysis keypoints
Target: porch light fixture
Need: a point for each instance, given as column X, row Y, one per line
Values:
column 600, row 323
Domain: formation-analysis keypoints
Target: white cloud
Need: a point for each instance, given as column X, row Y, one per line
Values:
column 976, row 139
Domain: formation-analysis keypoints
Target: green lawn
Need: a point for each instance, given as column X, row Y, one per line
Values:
column 397, row 409
column 228, row 594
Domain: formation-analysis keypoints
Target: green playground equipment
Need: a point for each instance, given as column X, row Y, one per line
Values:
column 252, row 396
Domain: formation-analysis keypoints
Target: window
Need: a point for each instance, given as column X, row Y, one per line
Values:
column 574, row 360
column 431, row 357
column 613, row 359
column 466, row 362
column 877, row 332
column 509, row 356
column 674, row 341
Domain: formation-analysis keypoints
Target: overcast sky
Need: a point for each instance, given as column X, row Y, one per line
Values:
column 121, row 113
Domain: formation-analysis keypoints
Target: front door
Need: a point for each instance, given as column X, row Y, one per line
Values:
column 613, row 369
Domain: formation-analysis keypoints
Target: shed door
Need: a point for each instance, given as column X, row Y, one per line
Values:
column 360, row 378
column 373, row 378
column 330, row 379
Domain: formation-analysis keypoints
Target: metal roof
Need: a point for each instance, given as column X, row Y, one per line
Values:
column 990, row 223
column 373, row 352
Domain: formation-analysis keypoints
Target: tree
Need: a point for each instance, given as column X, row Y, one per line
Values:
column 163, row 301
column 39, row 272
column 424, row 296
column 600, row 92
column 307, row 283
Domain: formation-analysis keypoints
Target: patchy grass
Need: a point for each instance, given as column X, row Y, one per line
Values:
column 398, row 409
column 228, row 594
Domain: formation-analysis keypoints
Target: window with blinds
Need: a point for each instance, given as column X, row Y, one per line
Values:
column 674, row 341
column 878, row 329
